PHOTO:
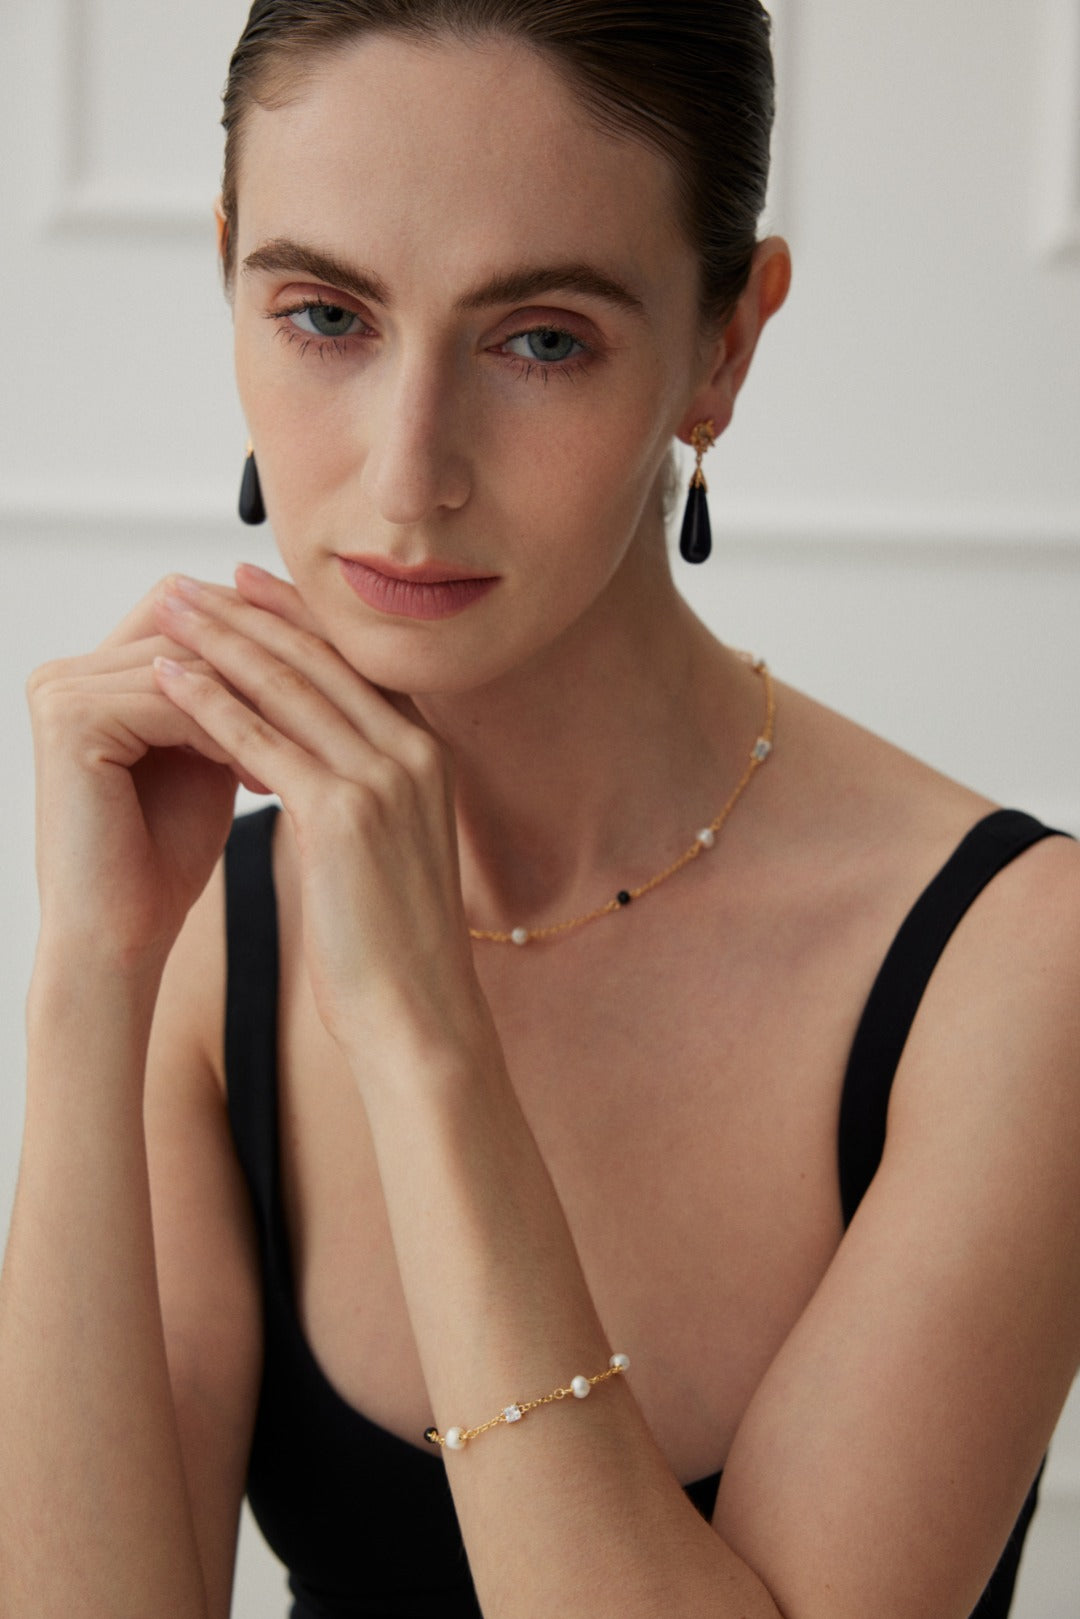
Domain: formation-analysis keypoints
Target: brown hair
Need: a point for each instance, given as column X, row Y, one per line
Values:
column 691, row 78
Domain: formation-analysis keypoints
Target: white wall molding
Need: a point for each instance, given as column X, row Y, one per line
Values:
column 105, row 207
column 1059, row 159
column 119, row 514
column 889, row 531
column 874, row 533
column 102, row 203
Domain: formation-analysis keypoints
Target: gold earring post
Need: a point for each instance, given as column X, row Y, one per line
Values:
column 702, row 438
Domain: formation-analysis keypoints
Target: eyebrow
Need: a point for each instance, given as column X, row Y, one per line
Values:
column 515, row 285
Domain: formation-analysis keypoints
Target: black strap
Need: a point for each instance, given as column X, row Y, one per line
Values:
column 898, row 989
column 251, row 1008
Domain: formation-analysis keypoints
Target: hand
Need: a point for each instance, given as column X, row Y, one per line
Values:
column 368, row 792
column 134, row 800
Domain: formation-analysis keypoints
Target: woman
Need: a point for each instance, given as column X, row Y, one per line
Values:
column 477, row 1132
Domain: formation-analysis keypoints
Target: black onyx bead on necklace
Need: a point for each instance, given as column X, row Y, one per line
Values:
column 623, row 897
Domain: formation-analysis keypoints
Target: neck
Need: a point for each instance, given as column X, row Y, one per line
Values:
column 594, row 766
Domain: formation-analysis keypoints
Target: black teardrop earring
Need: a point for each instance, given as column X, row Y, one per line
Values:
column 695, row 544
column 252, row 509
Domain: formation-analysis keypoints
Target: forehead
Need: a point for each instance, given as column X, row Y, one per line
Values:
column 464, row 152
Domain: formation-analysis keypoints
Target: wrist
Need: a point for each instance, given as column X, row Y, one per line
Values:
column 74, row 978
column 401, row 1051
column 86, row 1063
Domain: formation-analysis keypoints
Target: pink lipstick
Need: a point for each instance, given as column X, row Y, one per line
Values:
column 429, row 590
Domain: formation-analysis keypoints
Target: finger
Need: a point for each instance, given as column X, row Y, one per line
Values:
column 136, row 625
column 118, row 659
column 275, row 595
column 243, row 777
column 259, row 750
column 111, row 668
column 140, row 622
column 117, row 727
column 78, row 699
column 251, row 784
column 282, row 694
column 261, row 655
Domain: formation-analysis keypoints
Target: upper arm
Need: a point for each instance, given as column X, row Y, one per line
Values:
column 888, row 1451
column 204, row 1242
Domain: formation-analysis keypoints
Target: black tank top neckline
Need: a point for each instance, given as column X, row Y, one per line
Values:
column 363, row 1519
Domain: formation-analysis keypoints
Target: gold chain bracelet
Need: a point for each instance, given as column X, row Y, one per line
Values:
column 580, row 1388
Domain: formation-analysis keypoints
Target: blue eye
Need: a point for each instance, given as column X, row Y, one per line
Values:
column 326, row 320
column 548, row 343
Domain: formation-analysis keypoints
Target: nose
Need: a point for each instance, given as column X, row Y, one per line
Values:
column 415, row 462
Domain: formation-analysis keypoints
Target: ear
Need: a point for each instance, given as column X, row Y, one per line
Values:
column 729, row 360
column 222, row 229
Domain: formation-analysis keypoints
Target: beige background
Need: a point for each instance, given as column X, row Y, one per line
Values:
column 897, row 507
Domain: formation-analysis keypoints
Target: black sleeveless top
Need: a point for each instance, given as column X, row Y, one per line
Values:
column 363, row 1520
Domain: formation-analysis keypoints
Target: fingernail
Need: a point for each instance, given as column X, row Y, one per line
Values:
column 168, row 668
column 190, row 589
column 173, row 602
column 253, row 567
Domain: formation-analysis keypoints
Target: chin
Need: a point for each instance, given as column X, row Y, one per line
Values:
column 421, row 660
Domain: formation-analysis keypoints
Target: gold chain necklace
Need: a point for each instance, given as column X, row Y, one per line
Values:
column 705, row 839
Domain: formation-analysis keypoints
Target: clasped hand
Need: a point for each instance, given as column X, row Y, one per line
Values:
column 368, row 792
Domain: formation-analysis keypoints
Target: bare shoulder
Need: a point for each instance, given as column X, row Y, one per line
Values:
column 1016, row 950
column 853, row 780
column 992, row 1065
column 848, row 802
column 900, row 1427
column 1005, row 995
column 994, row 1049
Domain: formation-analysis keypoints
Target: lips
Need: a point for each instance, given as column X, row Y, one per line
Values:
column 427, row 590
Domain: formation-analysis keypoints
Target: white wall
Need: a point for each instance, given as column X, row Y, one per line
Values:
column 897, row 507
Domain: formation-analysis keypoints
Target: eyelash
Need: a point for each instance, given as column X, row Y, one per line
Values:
column 338, row 347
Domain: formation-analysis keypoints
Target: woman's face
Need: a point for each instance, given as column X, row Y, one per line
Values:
column 404, row 414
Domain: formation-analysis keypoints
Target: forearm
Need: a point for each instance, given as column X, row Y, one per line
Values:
column 575, row 1510
column 94, row 1513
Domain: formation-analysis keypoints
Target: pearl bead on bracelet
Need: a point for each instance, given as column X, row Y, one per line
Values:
column 580, row 1387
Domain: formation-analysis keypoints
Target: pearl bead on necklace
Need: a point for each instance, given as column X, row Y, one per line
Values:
column 705, row 840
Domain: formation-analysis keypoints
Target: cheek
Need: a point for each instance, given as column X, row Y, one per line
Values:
column 302, row 453
column 285, row 401
column 600, row 478
column 574, row 524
